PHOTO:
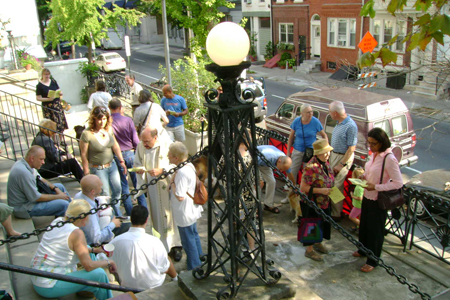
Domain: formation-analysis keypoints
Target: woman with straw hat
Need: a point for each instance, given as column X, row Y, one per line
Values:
column 317, row 181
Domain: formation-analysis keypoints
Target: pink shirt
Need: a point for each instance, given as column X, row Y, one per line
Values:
column 391, row 172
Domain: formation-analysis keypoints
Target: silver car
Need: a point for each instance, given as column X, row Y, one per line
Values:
column 256, row 87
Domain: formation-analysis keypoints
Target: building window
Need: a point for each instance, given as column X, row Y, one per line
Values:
column 159, row 25
column 383, row 30
column 331, row 65
column 342, row 33
column 286, row 33
column 264, row 22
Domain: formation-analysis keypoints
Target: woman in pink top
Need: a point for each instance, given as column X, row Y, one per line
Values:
column 373, row 219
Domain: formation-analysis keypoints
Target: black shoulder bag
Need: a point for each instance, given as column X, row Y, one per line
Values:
column 309, row 152
column 392, row 199
column 42, row 187
column 141, row 125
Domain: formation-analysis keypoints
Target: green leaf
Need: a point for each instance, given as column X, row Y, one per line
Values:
column 395, row 5
column 387, row 56
column 440, row 22
column 439, row 37
column 365, row 10
column 365, row 60
column 392, row 41
column 414, row 42
column 423, row 5
column 424, row 42
column 425, row 19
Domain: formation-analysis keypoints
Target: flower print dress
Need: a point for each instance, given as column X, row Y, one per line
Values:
column 52, row 109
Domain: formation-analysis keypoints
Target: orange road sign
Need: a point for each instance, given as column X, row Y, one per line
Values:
column 368, row 43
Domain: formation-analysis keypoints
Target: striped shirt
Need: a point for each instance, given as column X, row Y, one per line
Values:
column 345, row 134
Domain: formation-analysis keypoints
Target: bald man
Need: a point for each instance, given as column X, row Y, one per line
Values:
column 91, row 187
column 23, row 193
column 279, row 159
column 151, row 156
column 175, row 108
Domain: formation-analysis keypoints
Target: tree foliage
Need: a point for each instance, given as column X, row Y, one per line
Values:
column 203, row 15
column 76, row 20
column 432, row 25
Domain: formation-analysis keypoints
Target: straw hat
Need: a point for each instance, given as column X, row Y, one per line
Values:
column 321, row 146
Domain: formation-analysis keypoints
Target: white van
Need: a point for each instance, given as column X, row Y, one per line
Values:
column 114, row 41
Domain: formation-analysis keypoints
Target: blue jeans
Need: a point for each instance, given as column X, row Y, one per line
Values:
column 190, row 240
column 111, row 183
column 51, row 208
column 63, row 288
column 128, row 157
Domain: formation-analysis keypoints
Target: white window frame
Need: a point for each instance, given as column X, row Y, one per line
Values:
column 334, row 42
column 395, row 31
column 285, row 39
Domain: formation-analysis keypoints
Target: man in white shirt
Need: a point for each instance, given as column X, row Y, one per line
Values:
column 141, row 259
column 135, row 88
column 91, row 187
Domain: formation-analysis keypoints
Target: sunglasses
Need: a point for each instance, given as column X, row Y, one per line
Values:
column 100, row 109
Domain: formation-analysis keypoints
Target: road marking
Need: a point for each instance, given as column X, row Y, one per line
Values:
column 139, row 59
column 145, row 75
column 278, row 97
column 414, row 170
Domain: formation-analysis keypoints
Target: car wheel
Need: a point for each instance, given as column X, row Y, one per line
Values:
column 421, row 210
column 103, row 70
column 259, row 119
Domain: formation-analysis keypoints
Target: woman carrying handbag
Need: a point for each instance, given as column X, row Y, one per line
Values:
column 373, row 218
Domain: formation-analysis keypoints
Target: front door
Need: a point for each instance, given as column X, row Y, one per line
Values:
column 315, row 41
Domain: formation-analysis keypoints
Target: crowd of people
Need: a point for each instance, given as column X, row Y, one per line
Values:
column 114, row 146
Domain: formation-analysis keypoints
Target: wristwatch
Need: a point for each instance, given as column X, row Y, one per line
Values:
column 344, row 165
column 54, row 188
column 109, row 264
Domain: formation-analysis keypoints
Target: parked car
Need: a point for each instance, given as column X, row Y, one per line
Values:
column 367, row 109
column 110, row 61
column 258, row 87
column 434, row 182
column 114, row 40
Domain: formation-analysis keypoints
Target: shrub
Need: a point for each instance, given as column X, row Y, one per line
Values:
column 285, row 56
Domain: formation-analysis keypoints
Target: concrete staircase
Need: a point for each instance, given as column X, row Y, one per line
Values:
column 434, row 86
column 309, row 66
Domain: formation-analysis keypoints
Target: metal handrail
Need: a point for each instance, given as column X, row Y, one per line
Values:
column 18, row 82
column 18, row 135
column 29, row 107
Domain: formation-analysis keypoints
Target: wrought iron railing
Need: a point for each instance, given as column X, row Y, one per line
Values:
column 18, row 134
column 24, row 109
column 19, row 83
column 441, row 78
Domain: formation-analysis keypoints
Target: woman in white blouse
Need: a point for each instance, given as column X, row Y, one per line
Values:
column 100, row 97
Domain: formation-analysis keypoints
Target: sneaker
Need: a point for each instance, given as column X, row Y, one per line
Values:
column 285, row 200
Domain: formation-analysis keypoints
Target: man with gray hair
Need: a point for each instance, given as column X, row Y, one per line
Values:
column 277, row 158
column 22, row 190
column 151, row 158
column 135, row 88
column 343, row 141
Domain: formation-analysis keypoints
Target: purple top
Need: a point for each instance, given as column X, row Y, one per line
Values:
column 125, row 132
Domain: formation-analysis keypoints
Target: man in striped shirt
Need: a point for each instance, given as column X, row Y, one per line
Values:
column 343, row 141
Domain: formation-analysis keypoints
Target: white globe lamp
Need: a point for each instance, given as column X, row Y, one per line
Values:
column 227, row 44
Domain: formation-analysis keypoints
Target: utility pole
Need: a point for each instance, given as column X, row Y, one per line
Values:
column 166, row 41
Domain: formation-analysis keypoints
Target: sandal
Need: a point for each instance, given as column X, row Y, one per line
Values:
column 357, row 254
column 274, row 210
column 313, row 255
column 321, row 248
column 354, row 229
column 367, row 268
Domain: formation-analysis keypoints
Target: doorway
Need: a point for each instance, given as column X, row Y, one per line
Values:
column 315, row 36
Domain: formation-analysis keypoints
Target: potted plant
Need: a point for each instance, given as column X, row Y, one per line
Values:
column 282, row 64
column 90, row 72
column 252, row 52
column 291, row 62
column 191, row 80
column 269, row 51
column 28, row 61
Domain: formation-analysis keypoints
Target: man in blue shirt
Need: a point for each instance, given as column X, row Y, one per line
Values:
column 283, row 163
column 175, row 107
column 343, row 141
column 127, row 138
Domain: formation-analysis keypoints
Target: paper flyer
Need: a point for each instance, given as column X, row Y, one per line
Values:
column 54, row 94
column 335, row 195
column 359, row 182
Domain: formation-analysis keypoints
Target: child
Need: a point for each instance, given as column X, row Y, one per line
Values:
column 357, row 196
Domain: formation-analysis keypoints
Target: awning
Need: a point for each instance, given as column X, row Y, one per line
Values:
column 120, row 3
column 107, row 5
column 130, row 4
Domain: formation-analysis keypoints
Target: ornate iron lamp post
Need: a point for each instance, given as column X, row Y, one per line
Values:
column 235, row 226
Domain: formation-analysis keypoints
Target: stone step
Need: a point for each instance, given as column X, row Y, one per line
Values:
column 426, row 95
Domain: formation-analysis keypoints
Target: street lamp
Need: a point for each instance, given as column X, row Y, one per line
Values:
column 235, row 226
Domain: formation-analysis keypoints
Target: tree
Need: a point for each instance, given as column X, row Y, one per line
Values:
column 81, row 21
column 202, row 17
column 43, row 14
column 431, row 26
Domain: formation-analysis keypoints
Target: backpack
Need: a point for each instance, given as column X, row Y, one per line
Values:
column 200, row 193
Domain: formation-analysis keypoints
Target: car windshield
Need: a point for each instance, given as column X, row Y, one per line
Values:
column 112, row 56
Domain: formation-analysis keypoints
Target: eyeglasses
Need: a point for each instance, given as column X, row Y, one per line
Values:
column 307, row 112
column 100, row 109
column 372, row 143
